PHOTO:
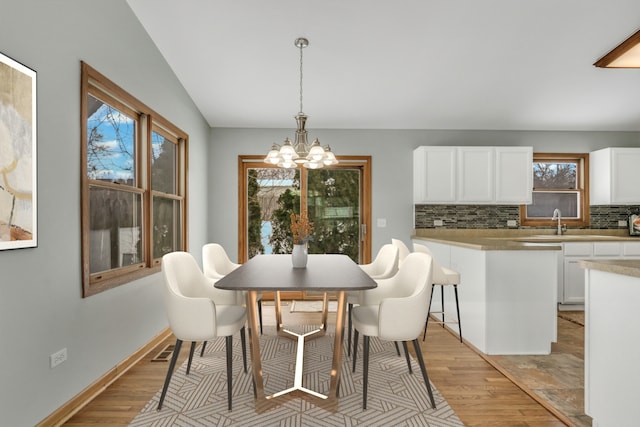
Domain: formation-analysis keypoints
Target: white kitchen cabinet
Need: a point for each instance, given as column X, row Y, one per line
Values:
column 434, row 175
column 472, row 175
column 572, row 289
column 514, row 175
column 631, row 249
column 613, row 176
column 476, row 176
column 572, row 286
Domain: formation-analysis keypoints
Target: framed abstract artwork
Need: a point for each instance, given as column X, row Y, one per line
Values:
column 18, row 171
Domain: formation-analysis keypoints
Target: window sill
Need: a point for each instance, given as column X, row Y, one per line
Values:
column 101, row 282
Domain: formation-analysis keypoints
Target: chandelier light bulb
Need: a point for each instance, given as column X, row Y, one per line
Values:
column 273, row 157
column 329, row 157
column 316, row 152
column 287, row 152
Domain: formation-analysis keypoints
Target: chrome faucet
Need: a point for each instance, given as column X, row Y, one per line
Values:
column 558, row 215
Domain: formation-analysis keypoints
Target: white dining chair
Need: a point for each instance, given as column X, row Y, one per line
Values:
column 383, row 266
column 395, row 311
column 403, row 250
column 216, row 264
column 442, row 277
column 195, row 315
column 385, row 263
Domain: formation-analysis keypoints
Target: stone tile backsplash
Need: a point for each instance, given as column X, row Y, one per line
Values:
column 496, row 216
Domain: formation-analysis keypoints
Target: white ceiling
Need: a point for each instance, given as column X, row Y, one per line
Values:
column 402, row 64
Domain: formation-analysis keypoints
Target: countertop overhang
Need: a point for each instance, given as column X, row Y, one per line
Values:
column 626, row 267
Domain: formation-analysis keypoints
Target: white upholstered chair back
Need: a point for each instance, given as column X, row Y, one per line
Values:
column 401, row 317
column 190, row 309
column 403, row 250
column 215, row 261
column 384, row 265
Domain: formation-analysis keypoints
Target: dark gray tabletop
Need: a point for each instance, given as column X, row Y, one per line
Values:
column 276, row 273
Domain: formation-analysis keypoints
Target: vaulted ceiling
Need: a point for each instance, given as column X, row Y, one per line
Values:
column 402, row 64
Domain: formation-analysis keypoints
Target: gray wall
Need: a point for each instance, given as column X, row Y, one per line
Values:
column 392, row 164
column 41, row 308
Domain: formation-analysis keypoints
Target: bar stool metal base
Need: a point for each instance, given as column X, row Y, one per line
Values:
column 443, row 321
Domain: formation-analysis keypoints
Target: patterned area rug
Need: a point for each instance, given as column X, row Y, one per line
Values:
column 395, row 397
column 312, row 306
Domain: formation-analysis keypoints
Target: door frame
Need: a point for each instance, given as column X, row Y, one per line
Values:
column 346, row 162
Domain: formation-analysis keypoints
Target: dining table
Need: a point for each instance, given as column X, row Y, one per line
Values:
column 335, row 273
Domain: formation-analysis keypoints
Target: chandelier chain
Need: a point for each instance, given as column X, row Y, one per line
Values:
column 301, row 47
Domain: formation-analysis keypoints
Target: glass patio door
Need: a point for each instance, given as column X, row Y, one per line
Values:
column 337, row 200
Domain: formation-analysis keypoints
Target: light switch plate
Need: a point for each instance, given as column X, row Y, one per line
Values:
column 382, row 222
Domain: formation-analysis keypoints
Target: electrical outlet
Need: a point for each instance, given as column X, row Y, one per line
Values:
column 438, row 223
column 58, row 357
column 622, row 223
column 512, row 223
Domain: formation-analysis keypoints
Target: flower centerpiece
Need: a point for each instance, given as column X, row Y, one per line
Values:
column 301, row 228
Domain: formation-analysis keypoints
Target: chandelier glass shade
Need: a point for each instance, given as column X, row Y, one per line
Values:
column 300, row 152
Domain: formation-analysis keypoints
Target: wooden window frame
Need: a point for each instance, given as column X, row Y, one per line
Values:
column 251, row 161
column 582, row 160
column 96, row 84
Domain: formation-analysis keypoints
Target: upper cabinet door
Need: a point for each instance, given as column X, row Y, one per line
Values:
column 434, row 175
column 614, row 176
column 625, row 175
column 514, row 175
column 475, row 174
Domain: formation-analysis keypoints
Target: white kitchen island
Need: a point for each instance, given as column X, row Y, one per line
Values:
column 612, row 342
column 507, row 294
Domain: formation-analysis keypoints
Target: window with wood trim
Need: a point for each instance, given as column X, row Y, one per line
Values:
column 560, row 181
column 133, row 184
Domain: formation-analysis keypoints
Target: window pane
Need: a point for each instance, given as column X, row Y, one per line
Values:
column 544, row 204
column 163, row 164
column 555, row 175
column 333, row 203
column 167, row 231
column 272, row 195
column 110, row 144
column 115, row 219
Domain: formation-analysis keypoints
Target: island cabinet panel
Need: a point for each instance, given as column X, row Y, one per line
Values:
column 507, row 298
column 612, row 350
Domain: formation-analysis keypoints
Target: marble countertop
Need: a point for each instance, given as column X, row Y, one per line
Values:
column 517, row 240
column 626, row 267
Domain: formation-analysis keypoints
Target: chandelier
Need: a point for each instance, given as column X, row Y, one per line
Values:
column 290, row 155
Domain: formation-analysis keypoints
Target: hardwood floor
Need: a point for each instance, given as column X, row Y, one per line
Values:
column 479, row 394
column 557, row 379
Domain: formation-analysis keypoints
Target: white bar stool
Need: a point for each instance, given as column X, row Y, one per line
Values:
column 442, row 277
